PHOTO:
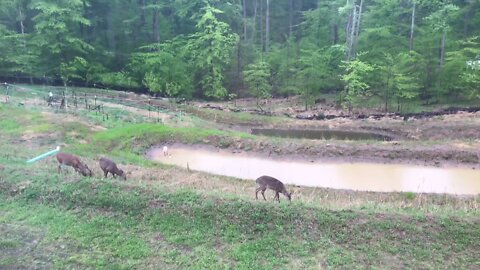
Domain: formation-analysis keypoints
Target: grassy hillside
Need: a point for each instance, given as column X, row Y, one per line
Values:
column 51, row 220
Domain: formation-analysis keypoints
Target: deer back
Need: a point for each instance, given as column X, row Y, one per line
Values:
column 271, row 183
column 69, row 160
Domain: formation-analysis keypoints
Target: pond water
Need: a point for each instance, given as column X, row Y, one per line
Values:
column 320, row 134
column 351, row 176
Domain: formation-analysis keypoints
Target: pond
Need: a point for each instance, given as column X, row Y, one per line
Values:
column 351, row 176
column 320, row 134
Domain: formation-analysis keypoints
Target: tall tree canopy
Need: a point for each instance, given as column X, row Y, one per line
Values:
column 211, row 48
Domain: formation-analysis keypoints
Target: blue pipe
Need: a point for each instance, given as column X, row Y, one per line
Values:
column 42, row 156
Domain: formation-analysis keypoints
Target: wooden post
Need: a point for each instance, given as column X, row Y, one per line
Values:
column 149, row 108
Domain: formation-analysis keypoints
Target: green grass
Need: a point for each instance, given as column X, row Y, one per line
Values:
column 136, row 138
column 107, row 221
column 240, row 118
column 64, row 221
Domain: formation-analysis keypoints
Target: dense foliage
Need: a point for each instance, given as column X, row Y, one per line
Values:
column 392, row 51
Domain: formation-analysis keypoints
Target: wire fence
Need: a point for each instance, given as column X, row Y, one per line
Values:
column 65, row 99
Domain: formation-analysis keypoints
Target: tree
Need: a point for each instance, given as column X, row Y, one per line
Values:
column 256, row 77
column 354, row 12
column 317, row 69
column 440, row 22
column 163, row 70
column 461, row 73
column 401, row 75
column 405, row 77
column 412, row 25
column 356, row 88
column 55, row 40
column 75, row 69
column 211, row 47
column 267, row 26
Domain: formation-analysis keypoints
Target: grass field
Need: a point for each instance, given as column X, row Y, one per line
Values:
column 164, row 217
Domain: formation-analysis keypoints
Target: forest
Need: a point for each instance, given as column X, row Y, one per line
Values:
column 389, row 51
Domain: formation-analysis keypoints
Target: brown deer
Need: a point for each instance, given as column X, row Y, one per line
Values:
column 109, row 166
column 267, row 182
column 73, row 161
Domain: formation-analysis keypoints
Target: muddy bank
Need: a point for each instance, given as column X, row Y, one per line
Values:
column 459, row 126
column 377, row 116
column 384, row 152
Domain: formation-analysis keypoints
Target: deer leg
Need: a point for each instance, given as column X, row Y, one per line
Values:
column 263, row 193
column 256, row 192
column 277, row 195
column 59, row 167
column 105, row 173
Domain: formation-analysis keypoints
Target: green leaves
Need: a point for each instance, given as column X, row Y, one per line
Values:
column 75, row 69
column 356, row 86
column 211, row 48
column 56, row 45
column 164, row 69
column 257, row 77
column 439, row 19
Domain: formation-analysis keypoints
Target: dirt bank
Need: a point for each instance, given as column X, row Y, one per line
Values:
column 440, row 155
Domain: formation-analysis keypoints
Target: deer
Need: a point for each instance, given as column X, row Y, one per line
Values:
column 73, row 161
column 109, row 166
column 267, row 182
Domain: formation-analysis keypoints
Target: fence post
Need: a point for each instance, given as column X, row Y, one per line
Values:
column 149, row 108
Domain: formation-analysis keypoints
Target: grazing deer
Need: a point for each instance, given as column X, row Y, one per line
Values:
column 109, row 166
column 268, row 182
column 73, row 161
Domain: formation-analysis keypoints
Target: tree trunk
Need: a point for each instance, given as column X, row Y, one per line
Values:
column 267, row 26
column 442, row 48
column 466, row 20
column 155, row 28
column 412, row 27
column 254, row 28
column 22, row 26
column 290, row 18
column 352, row 34
column 357, row 29
column 334, row 33
column 348, row 26
column 318, row 23
column 244, row 20
column 110, row 34
column 387, row 87
column 262, row 40
column 296, row 20
column 238, row 75
column 142, row 13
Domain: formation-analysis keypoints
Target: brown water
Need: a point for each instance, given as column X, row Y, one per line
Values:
column 352, row 176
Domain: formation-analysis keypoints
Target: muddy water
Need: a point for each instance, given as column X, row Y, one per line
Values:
column 356, row 176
